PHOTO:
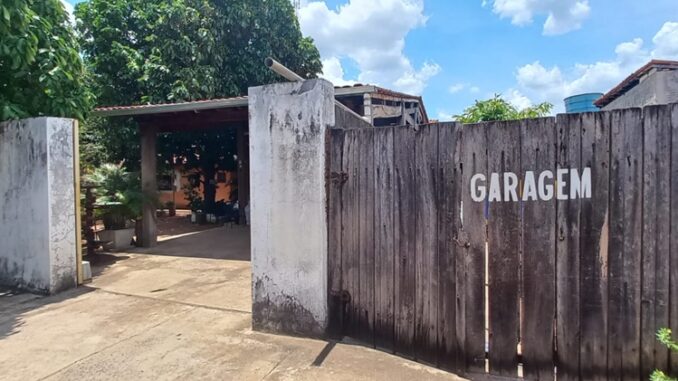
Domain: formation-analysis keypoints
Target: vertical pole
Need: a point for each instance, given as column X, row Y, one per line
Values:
column 78, row 212
column 149, row 186
column 243, row 172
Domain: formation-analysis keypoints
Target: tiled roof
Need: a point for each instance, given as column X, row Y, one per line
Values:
column 633, row 79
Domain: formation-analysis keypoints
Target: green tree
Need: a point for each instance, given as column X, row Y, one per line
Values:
column 664, row 337
column 497, row 108
column 156, row 51
column 41, row 72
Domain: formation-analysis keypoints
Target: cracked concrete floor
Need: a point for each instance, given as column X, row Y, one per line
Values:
column 153, row 316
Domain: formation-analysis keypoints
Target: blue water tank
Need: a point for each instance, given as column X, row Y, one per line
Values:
column 582, row 102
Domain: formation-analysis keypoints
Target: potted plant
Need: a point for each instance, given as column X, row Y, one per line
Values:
column 119, row 200
column 171, row 208
column 195, row 203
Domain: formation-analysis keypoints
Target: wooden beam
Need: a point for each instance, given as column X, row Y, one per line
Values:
column 188, row 121
column 243, row 171
column 149, row 186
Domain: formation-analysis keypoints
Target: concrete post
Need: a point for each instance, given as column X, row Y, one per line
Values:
column 149, row 185
column 288, row 205
column 38, row 234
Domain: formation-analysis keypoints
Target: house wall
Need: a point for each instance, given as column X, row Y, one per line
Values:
column 37, row 205
column 289, row 226
column 660, row 87
column 181, row 180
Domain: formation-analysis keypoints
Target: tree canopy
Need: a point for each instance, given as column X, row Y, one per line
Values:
column 143, row 51
column 497, row 108
column 41, row 71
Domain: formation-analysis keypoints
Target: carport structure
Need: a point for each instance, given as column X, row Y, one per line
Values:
column 376, row 105
column 178, row 117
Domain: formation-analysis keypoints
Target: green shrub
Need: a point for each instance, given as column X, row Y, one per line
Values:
column 664, row 336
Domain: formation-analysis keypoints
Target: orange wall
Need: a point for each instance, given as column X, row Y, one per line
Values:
column 179, row 198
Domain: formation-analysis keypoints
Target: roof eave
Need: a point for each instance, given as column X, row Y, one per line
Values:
column 171, row 108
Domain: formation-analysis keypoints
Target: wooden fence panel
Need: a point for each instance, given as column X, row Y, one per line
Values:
column 625, row 244
column 579, row 281
column 450, row 248
column 569, row 129
column 593, row 248
column 538, row 154
column 366, row 231
column 504, row 221
column 335, row 233
column 656, row 235
column 384, row 239
column 426, row 243
column 403, row 140
column 351, row 226
column 673, row 260
column 471, row 270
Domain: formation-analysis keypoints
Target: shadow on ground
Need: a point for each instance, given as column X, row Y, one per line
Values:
column 15, row 304
column 225, row 242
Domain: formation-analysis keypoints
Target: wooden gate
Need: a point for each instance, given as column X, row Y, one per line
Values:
column 515, row 249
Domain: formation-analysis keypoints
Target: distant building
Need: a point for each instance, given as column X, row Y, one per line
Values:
column 653, row 84
column 383, row 107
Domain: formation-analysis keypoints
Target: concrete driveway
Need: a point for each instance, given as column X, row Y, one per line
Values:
column 180, row 311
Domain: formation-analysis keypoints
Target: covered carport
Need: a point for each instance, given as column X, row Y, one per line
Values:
column 178, row 117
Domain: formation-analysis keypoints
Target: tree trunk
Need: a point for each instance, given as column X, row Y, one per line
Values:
column 209, row 189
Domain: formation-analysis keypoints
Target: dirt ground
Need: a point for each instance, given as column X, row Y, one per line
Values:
column 176, row 312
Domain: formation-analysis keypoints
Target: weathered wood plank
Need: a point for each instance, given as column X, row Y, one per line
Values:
column 625, row 244
column 656, row 236
column 426, row 243
column 673, row 260
column 470, row 275
column 449, row 251
column 673, row 275
column 405, row 233
column 384, row 238
column 569, row 128
column 504, row 249
column 366, row 233
column 351, row 236
column 335, row 153
column 538, row 154
column 593, row 248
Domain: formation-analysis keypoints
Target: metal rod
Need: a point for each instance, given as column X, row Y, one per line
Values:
column 282, row 70
column 294, row 77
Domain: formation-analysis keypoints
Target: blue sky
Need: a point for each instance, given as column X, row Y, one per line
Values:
column 453, row 52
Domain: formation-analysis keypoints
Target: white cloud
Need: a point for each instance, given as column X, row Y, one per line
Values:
column 539, row 83
column 474, row 89
column 372, row 34
column 666, row 42
column 517, row 99
column 445, row 116
column 333, row 72
column 562, row 16
column 457, row 87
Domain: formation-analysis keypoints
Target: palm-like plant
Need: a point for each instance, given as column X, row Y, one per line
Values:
column 119, row 195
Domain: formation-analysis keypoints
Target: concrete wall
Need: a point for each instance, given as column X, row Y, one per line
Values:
column 659, row 87
column 289, row 229
column 37, row 205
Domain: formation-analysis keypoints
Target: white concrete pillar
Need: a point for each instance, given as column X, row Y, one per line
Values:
column 287, row 125
column 38, row 234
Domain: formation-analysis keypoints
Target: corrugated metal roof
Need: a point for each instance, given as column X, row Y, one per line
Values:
column 633, row 79
column 210, row 104
column 148, row 109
